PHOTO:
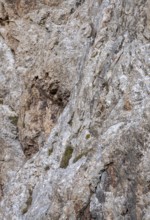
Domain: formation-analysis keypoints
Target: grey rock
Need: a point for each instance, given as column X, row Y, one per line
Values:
column 76, row 74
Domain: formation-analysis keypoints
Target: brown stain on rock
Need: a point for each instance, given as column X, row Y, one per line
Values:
column 21, row 7
column 127, row 105
column 112, row 175
column 42, row 103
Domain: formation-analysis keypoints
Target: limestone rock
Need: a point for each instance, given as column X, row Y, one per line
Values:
column 76, row 76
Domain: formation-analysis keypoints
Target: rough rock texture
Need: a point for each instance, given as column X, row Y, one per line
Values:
column 75, row 110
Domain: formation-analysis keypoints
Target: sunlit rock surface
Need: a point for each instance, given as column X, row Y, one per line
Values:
column 74, row 110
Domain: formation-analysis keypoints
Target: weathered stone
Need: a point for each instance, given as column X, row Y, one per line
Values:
column 74, row 110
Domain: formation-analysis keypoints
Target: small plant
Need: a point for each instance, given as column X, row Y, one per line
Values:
column 50, row 151
column 24, row 210
column 28, row 202
column 14, row 120
column 87, row 136
column 66, row 157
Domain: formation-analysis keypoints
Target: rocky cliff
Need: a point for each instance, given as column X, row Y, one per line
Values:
column 74, row 110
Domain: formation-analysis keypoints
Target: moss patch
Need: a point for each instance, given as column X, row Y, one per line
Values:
column 66, row 157
column 14, row 120
column 81, row 155
column 1, row 101
column 87, row 136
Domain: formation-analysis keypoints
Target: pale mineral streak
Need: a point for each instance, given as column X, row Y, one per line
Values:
column 74, row 110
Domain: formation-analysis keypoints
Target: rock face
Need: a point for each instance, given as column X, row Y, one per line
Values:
column 75, row 110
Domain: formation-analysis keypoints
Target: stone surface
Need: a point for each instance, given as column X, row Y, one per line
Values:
column 74, row 110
